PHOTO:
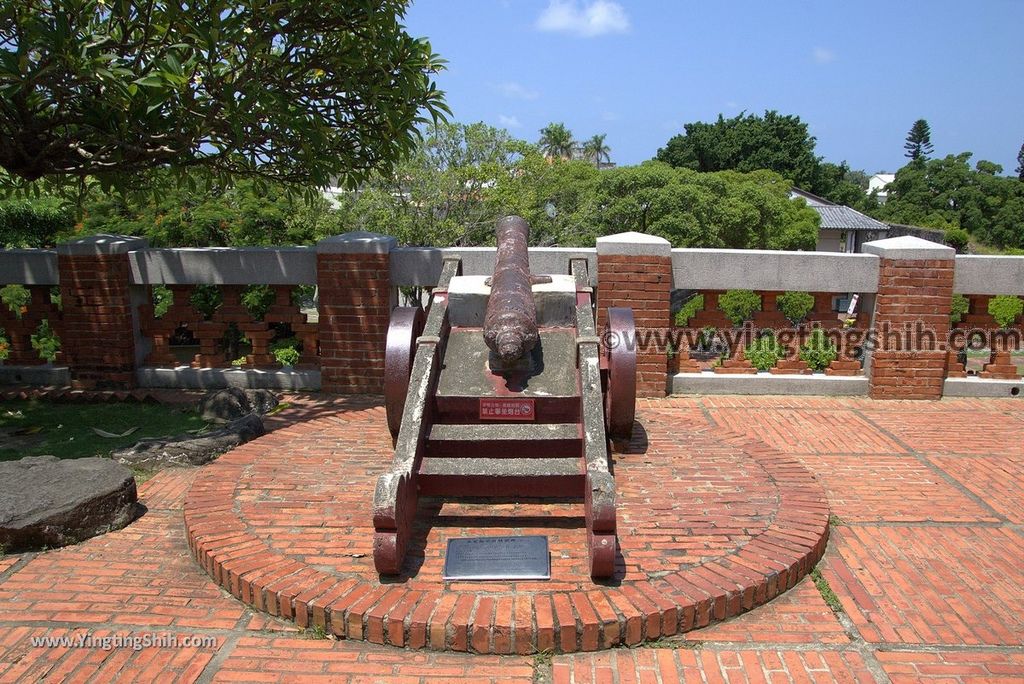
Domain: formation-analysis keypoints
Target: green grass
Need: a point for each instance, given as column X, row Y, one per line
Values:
column 676, row 644
column 65, row 430
column 826, row 591
column 315, row 632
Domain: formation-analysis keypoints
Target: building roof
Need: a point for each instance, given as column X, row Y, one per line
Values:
column 837, row 216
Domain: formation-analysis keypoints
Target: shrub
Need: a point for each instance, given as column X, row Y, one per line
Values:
column 5, row 345
column 257, row 299
column 796, row 305
column 205, row 299
column 961, row 305
column 287, row 356
column 706, row 338
column 16, row 298
column 284, row 343
column 819, row 351
column 739, row 305
column 1005, row 309
column 957, row 238
column 689, row 309
column 162, row 298
column 764, row 352
column 45, row 341
column 33, row 223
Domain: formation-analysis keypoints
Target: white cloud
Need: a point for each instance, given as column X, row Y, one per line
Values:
column 588, row 19
column 824, row 55
column 609, row 116
column 516, row 91
column 509, row 121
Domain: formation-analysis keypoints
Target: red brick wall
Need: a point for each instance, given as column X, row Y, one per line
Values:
column 911, row 292
column 97, row 334
column 643, row 283
column 355, row 308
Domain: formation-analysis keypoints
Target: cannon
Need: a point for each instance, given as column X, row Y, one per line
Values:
column 503, row 388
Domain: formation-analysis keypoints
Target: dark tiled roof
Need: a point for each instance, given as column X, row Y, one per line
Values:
column 837, row 217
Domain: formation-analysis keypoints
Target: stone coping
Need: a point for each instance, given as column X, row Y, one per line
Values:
column 711, row 524
column 766, row 383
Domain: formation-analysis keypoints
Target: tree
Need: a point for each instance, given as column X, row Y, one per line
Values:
column 947, row 193
column 919, row 141
column 300, row 91
column 1020, row 163
column 596, row 151
column 556, row 141
column 692, row 209
column 36, row 222
column 440, row 195
column 241, row 215
column 747, row 142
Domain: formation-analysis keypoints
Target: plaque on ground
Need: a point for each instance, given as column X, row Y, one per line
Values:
column 497, row 558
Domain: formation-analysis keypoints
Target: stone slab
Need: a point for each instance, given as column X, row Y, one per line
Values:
column 28, row 267
column 772, row 270
column 224, row 266
column 47, row 376
column 465, row 372
column 908, row 247
column 102, row 243
column 993, row 275
column 49, row 502
column 766, row 383
column 633, row 243
column 421, row 266
column 357, row 242
column 186, row 377
column 555, row 301
column 983, row 387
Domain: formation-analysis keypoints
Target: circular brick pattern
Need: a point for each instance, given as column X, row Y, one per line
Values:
column 710, row 524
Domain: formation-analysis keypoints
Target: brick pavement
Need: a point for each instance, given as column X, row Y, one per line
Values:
column 926, row 561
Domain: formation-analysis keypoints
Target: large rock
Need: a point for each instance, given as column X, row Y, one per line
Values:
column 49, row 502
column 190, row 450
column 226, row 405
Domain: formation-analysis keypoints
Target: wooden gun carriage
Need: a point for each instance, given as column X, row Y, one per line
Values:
column 503, row 388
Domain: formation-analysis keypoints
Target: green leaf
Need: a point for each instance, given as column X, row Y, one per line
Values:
column 151, row 81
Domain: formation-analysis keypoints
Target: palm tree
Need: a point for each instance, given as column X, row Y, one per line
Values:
column 596, row 151
column 556, row 141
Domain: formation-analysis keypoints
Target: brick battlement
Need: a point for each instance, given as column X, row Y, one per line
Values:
column 111, row 338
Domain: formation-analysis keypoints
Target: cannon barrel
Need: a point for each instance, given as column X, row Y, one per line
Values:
column 510, row 324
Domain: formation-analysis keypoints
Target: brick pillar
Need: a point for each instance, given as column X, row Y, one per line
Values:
column 635, row 270
column 100, row 333
column 915, row 293
column 356, row 298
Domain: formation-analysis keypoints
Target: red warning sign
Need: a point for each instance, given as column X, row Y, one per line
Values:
column 507, row 409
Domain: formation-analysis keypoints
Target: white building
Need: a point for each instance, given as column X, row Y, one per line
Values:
column 878, row 183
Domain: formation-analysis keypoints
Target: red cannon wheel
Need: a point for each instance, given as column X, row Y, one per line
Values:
column 406, row 325
column 620, row 398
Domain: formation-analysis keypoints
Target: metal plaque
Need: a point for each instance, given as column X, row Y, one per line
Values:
column 497, row 558
column 507, row 409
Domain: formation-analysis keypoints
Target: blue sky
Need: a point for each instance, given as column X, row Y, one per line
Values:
column 859, row 73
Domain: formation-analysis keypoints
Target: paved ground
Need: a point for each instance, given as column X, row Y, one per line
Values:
column 925, row 566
